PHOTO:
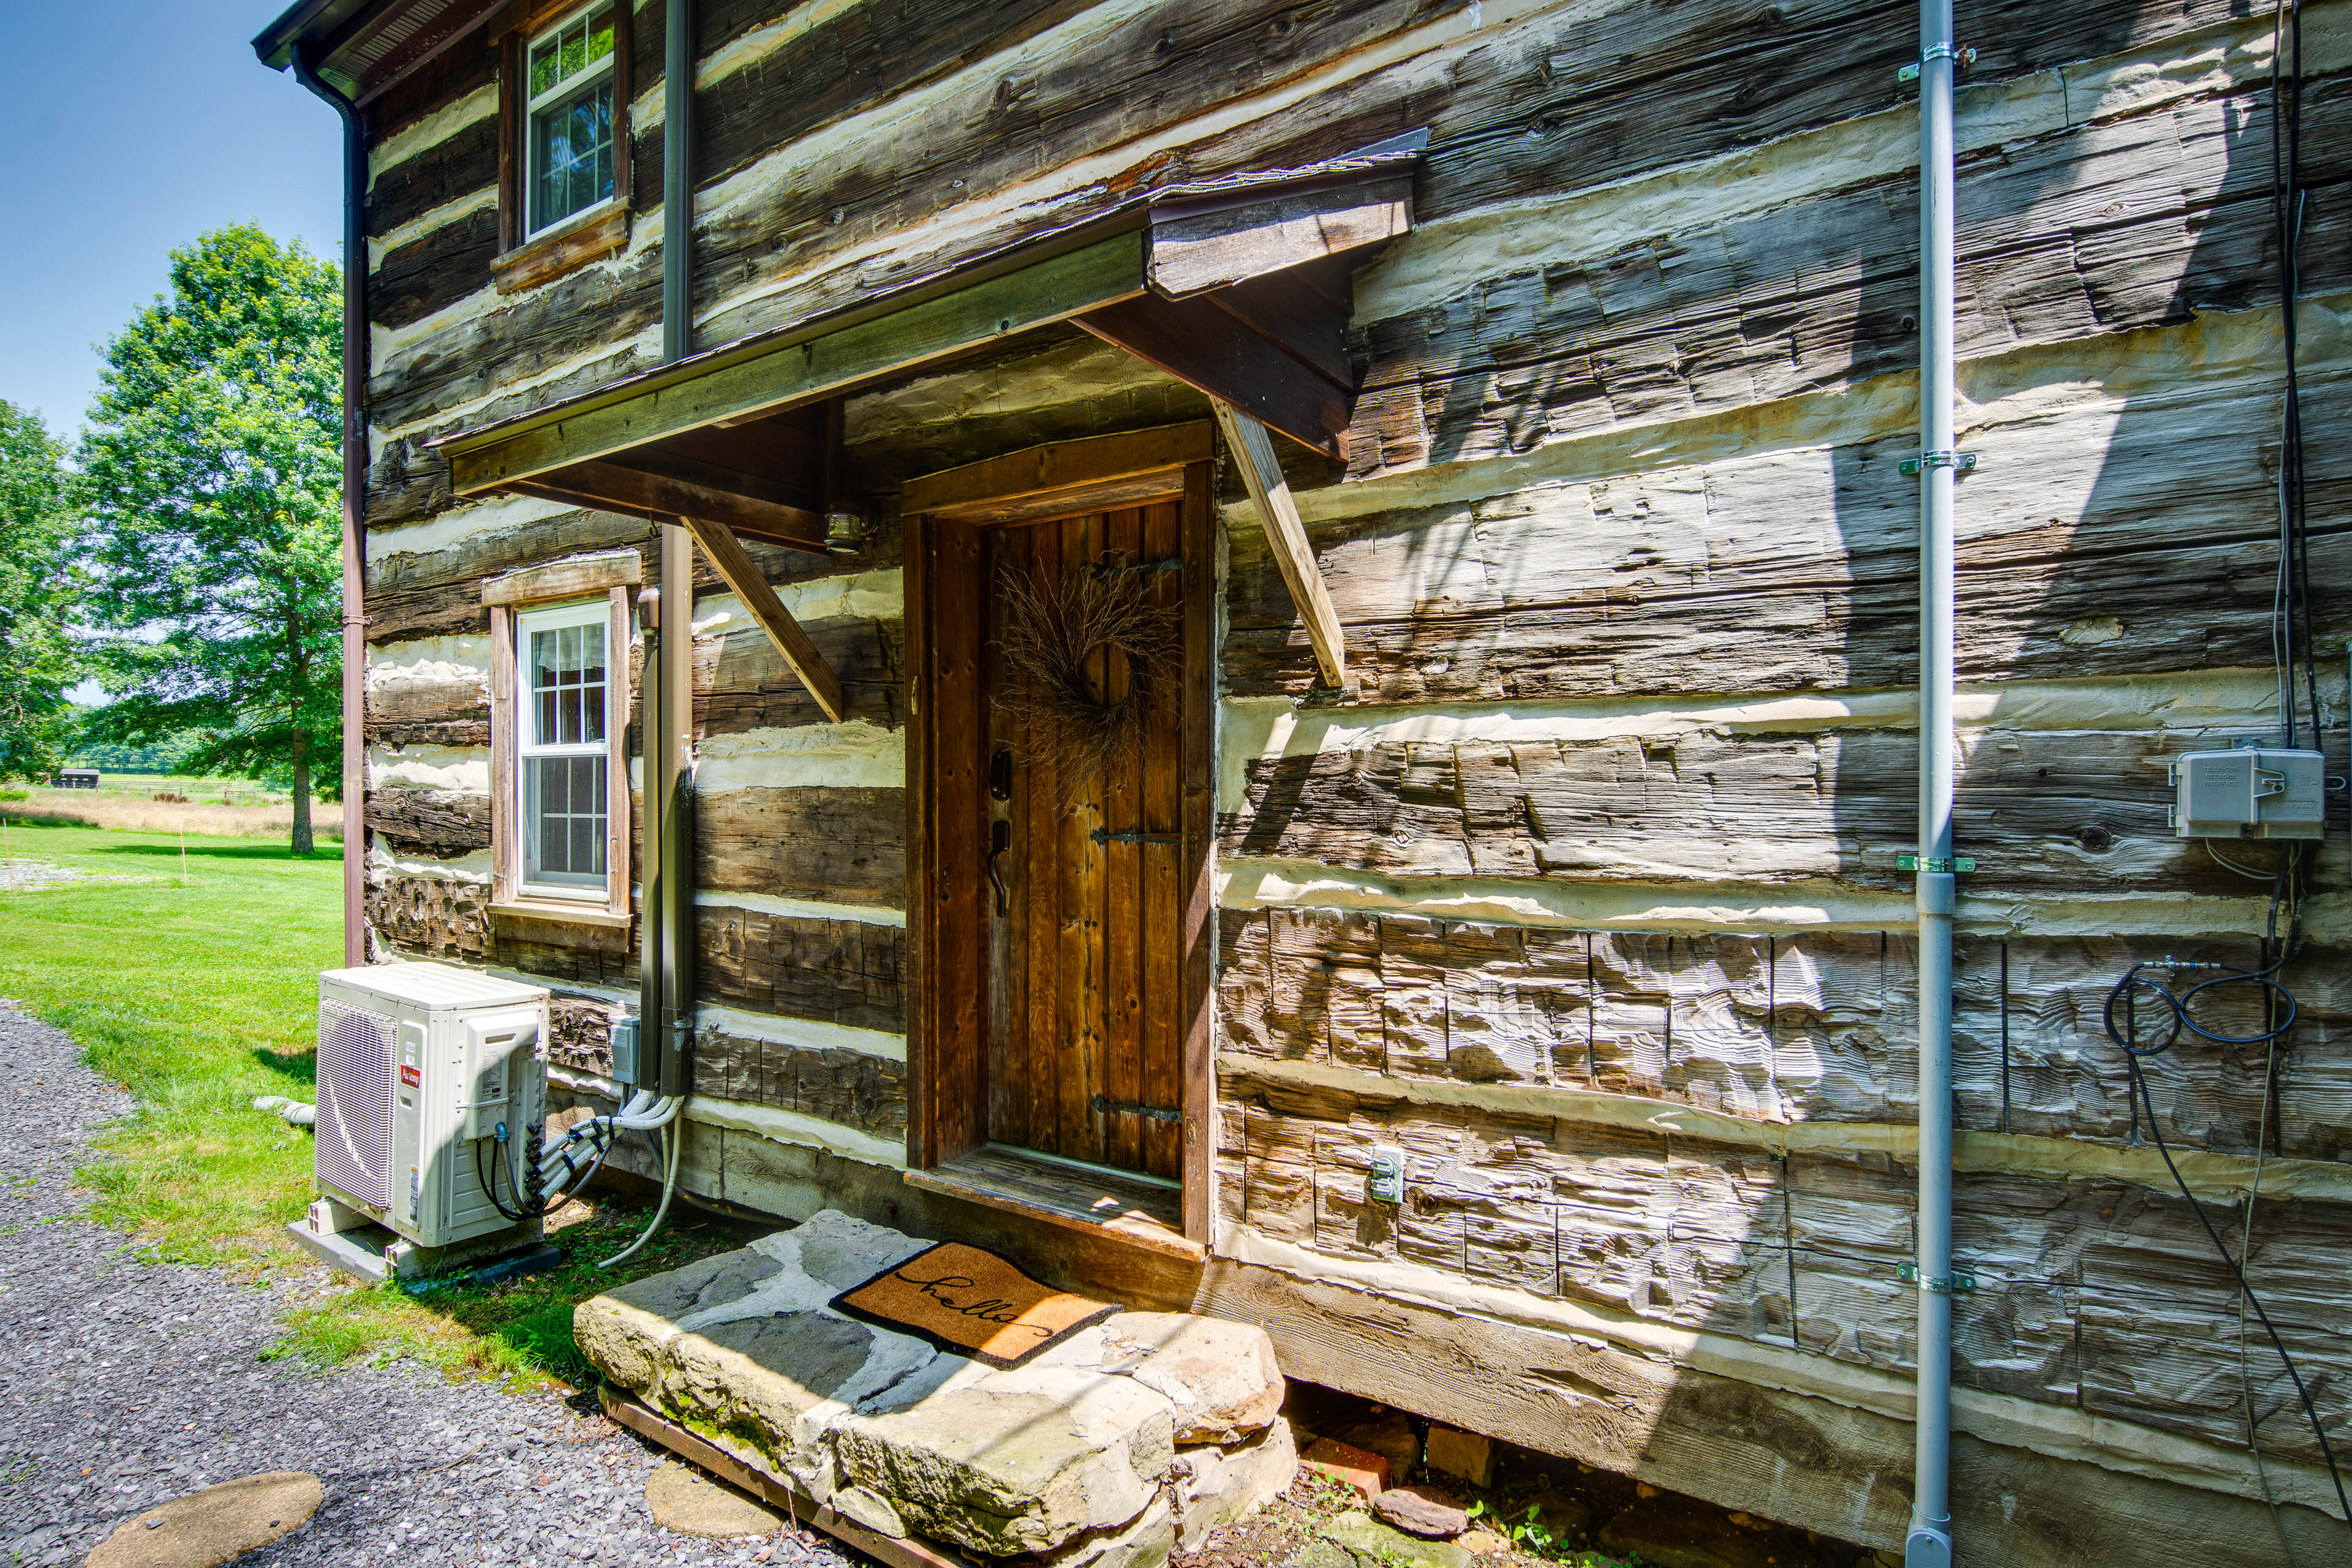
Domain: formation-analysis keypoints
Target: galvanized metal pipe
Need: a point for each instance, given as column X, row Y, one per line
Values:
column 1930, row 1541
column 354, row 487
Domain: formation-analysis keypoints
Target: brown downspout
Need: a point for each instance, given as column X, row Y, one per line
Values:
column 669, row 783
column 355, row 455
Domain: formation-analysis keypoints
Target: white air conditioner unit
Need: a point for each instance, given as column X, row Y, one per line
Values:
column 419, row 1064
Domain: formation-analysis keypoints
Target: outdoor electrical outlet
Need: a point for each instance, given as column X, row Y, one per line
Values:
column 624, row 1051
column 1384, row 1183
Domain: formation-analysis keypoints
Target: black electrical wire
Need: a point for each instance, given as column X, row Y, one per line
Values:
column 2292, row 645
column 536, row 1205
column 2178, row 1019
column 489, row 1184
column 2288, row 200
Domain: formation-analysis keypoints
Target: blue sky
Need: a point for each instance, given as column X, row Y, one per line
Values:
column 133, row 127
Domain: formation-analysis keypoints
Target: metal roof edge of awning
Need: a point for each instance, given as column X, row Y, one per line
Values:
column 1066, row 274
column 1237, row 286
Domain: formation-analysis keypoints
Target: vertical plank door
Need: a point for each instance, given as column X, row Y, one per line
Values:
column 1086, row 977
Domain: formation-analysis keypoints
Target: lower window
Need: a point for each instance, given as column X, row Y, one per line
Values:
column 562, row 747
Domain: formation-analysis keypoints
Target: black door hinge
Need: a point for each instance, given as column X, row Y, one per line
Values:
column 1105, row 1106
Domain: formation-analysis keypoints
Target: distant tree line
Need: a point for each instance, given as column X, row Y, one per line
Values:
column 113, row 757
column 187, row 550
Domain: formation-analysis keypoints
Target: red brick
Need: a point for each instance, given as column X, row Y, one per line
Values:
column 1368, row 1473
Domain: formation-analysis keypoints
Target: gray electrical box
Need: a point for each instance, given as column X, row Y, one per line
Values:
column 1384, row 1183
column 2249, row 793
column 624, row 1051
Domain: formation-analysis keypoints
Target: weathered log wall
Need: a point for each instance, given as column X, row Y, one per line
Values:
column 800, row 864
column 2099, row 1294
column 1778, row 1030
column 1627, row 571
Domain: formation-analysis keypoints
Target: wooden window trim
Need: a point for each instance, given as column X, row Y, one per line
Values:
column 573, row 577
column 940, row 1138
column 600, row 231
column 603, row 926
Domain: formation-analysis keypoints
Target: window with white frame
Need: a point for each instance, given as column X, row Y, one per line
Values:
column 562, row 750
column 568, row 117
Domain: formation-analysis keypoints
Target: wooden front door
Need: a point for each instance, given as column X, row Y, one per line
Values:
column 1084, row 919
column 1066, row 968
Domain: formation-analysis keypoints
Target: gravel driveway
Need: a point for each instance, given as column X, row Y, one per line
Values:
column 125, row 1383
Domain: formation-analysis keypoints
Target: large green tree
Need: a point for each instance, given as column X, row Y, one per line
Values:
column 38, row 658
column 211, row 474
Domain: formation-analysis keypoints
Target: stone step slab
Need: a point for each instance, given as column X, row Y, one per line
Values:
column 1014, row 1461
column 1217, row 1484
column 744, row 1349
column 1149, row 1541
column 1072, row 1456
column 1220, row 1376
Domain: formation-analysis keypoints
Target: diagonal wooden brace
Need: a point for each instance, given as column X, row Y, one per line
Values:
column 742, row 574
column 1286, row 535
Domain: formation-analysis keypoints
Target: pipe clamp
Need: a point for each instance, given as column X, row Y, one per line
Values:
column 1961, row 55
column 1959, row 462
column 1959, row 1284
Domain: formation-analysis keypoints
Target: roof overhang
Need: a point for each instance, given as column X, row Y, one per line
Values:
column 362, row 47
column 1238, row 286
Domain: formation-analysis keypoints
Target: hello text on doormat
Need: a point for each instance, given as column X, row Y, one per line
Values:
column 969, row 1301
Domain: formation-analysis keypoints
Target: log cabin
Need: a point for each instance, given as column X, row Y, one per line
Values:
column 1268, row 653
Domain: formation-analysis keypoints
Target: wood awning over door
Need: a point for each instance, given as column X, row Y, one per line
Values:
column 1238, row 287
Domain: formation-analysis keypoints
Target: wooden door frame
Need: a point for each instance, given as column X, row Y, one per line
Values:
column 946, row 1058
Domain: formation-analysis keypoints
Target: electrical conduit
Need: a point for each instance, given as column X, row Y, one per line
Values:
column 1930, row 1541
column 666, row 982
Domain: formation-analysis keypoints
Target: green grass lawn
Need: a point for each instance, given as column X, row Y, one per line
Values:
column 197, row 998
column 201, row 997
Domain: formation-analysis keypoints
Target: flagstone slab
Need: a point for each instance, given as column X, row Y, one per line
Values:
column 683, row 1498
column 216, row 1525
column 1149, row 1541
column 1097, row 1453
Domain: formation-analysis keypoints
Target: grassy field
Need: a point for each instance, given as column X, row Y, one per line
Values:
column 201, row 997
column 213, row 807
column 229, row 791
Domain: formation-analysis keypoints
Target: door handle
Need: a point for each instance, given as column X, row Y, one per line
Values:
column 1000, row 839
column 1000, row 832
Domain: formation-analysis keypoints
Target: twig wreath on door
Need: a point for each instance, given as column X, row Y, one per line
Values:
column 1084, row 652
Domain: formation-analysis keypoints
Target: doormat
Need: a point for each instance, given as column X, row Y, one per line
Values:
column 969, row 1301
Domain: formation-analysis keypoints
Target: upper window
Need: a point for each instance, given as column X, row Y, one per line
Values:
column 562, row 750
column 568, row 120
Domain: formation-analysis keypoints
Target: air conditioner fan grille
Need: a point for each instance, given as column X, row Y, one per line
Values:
column 354, row 1126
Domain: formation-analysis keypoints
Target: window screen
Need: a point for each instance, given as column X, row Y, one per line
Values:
column 562, row 749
